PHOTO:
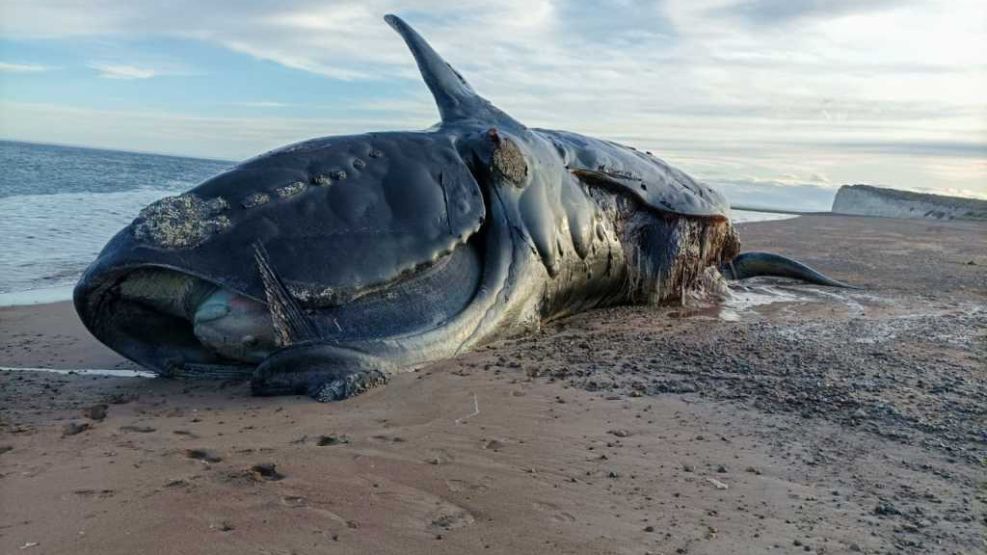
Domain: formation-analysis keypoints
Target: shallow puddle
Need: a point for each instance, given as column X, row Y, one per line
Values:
column 746, row 298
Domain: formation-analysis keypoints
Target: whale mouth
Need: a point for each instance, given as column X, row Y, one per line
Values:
column 181, row 324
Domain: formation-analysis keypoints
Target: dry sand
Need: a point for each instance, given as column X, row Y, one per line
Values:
column 832, row 422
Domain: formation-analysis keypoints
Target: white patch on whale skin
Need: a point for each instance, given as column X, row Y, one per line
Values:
column 181, row 222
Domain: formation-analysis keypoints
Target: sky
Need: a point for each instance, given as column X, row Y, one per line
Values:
column 792, row 96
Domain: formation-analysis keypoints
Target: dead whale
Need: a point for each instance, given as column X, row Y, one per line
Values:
column 323, row 267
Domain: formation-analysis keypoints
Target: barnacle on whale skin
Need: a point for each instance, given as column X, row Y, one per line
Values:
column 181, row 222
column 256, row 199
column 290, row 189
column 509, row 161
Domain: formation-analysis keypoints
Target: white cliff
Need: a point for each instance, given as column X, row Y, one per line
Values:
column 865, row 200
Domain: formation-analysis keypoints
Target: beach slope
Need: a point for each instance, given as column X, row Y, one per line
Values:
column 792, row 419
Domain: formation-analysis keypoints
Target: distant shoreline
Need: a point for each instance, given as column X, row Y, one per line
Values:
column 118, row 150
column 779, row 211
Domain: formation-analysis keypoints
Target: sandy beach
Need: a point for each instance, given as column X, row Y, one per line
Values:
column 791, row 419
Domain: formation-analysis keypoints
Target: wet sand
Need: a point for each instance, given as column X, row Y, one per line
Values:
column 831, row 422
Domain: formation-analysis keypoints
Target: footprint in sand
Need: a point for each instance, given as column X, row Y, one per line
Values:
column 450, row 517
column 303, row 504
column 493, row 445
column 554, row 512
column 419, row 506
column 101, row 493
column 294, row 501
column 137, row 428
column 203, row 455
column 438, row 456
column 458, row 486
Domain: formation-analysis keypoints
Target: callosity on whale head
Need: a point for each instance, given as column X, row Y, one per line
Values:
column 324, row 266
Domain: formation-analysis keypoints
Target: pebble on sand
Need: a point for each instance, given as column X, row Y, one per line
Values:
column 73, row 428
column 95, row 412
column 267, row 471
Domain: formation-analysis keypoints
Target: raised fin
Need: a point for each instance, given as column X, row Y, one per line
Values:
column 454, row 97
column 291, row 325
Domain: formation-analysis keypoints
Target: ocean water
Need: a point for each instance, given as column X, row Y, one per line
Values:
column 747, row 216
column 59, row 205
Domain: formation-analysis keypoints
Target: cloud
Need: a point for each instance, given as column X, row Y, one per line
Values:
column 773, row 12
column 760, row 88
column 24, row 68
column 960, row 149
column 343, row 39
column 122, row 71
column 263, row 104
column 169, row 132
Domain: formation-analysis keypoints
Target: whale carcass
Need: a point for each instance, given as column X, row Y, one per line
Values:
column 325, row 266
